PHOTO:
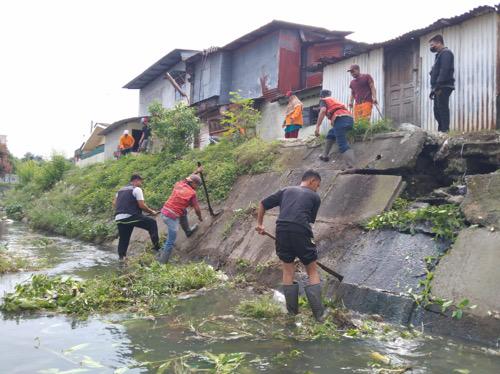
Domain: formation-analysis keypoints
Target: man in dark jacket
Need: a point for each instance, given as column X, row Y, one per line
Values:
column 294, row 238
column 442, row 82
column 129, row 205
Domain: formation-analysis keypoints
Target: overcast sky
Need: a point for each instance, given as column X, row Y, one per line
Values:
column 63, row 62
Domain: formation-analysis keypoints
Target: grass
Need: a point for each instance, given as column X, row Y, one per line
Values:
column 363, row 128
column 145, row 286
column 10, row 263
column 261, row 307
column 76, row 202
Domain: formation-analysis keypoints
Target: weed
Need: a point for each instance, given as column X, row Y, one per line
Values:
column 145, row 286
column 262, row 307
column 242, row 264
column 363, row 128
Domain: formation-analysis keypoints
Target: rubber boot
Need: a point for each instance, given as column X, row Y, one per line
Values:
column 313, row 294
column 328, row 147
column 349, row 158
column 164, row 257
column 291, row 292
column 185, row 226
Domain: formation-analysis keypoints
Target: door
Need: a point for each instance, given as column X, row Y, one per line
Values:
column 401, row 77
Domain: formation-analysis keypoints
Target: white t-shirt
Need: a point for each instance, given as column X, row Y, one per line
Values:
column 138, row 194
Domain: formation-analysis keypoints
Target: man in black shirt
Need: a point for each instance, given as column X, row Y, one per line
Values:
column 145, row 141
column 442, row 82
column 294, row 238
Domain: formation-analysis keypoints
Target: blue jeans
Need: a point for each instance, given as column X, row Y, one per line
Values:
column 341, row 126
column 172, row 227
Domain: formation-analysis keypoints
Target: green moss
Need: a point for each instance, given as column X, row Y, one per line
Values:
column 144, row 286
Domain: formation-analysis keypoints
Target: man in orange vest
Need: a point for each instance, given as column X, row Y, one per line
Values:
column 341, row 121
column 174, row 212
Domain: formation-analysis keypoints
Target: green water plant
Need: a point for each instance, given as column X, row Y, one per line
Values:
column 261, row 307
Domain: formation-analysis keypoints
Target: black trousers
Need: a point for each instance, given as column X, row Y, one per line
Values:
column 442, row 108
column 126, row 226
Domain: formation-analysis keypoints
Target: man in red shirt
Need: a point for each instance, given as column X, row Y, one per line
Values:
column 363, row 92
column 174, row 212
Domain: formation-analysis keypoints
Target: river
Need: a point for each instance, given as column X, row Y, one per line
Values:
column 123, row 343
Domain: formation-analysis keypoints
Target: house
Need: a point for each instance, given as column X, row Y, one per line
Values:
column 113, row 132
column 92, row 150
column 400, row 68
column 153, row 85
column 263, row 65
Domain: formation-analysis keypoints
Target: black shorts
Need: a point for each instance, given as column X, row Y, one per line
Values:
column 290, row 245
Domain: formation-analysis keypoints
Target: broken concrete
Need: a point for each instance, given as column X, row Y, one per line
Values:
column 482, row 201
column 471, row 271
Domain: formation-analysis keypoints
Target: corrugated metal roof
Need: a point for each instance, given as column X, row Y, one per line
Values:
column 415, row 34
column 268, row 28
column 159, row 67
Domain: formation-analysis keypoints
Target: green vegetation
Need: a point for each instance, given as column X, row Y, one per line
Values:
column 363, row 128
column 79, row 205
column 445, row 220
column 238, row 216
column 144, row 286
column 241, row 118
column 262, row 307
column 10, row 263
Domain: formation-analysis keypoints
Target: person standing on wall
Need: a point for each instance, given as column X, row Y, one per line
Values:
column 341, row 121
column 174, row 211
column 126, row 143
column 293, row 118
column 299, row 206
column 442, row 81
column 363, row 93
column 145, row 141
column 129, row 205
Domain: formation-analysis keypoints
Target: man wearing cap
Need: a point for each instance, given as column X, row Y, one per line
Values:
column 129, row 205
column 363, row 92
column 174, row 212
column 126, row 143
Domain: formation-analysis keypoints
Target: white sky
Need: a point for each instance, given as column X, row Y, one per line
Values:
column 63, row 62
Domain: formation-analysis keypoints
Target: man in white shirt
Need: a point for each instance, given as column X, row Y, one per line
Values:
column 129, row 205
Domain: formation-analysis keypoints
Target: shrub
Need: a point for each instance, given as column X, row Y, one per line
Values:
column 14, row 211
column 241, row 118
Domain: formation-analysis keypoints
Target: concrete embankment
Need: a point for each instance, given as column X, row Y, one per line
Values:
column 381, row 267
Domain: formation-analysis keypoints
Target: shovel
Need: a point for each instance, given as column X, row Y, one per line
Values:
column 212, row 213
column 325, row 268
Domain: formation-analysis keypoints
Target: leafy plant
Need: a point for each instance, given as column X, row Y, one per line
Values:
column 241, row 118
column 363, row 128
column 175, row 128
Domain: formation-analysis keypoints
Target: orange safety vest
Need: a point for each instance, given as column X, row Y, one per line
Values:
column 181, row 197
column 335, row 108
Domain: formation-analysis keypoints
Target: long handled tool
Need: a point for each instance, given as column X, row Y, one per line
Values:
column 379, row 111
column 327, row 269
column 212, row 213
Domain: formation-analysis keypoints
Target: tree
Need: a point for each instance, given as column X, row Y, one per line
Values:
column 5, row 164
column 241, row 118
column 175, row 128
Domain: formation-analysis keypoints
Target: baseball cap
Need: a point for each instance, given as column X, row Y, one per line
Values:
column 353, row 67
column 289, row 93
column 195, row 178
column 125, row 132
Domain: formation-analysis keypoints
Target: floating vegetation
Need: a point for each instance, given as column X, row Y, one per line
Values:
column 261, row 307
column 144, row 286
column 11, row 263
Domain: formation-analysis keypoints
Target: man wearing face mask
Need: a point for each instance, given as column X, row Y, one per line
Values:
column 442, row 81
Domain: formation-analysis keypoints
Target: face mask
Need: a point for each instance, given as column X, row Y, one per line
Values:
column 433, row 49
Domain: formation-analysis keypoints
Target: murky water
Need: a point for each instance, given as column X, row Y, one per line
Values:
column 123, row 344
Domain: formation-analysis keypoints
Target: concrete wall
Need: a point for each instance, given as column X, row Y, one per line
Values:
column 273, row 115
column 112, row 140
column 337, row 79
column 253, row 61
column 473, row 103
column 161, row 90
column 100, row 157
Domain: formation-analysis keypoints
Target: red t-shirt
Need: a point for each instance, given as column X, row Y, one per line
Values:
column 183, row 196
column 360, row 88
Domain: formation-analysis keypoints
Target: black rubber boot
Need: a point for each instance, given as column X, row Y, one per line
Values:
column 328, row 147
column 291, row 292
column 164, row 257
column 185, row 226
column 313, row 293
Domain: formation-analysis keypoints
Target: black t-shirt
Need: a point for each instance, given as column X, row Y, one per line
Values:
column 298, row 208
column 146, row 130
